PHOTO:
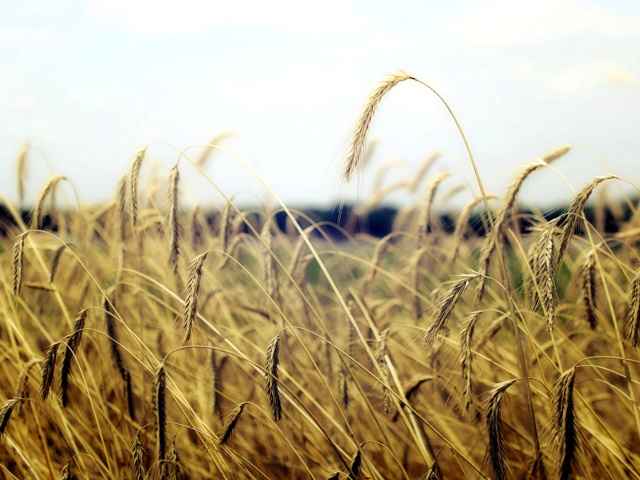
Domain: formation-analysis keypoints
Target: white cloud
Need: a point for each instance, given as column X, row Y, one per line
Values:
column 170, row 18
column 507, row 22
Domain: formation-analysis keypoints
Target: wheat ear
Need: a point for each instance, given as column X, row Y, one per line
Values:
column 378, row 254
column 425, row 212
column 541, row 261
column 496, row 455
column 21, row 168
column 354, row 465
column 632, row 312
column 137, row 454
column 463, row 222
column 48, row 369
column 359, row 136
column 174, row 461
column 225, row 226
column 271, row 366
column 6, row 411
column 194, row 278
column 466, row 357
column 36, row 215
column 574, row 213
column 112, row 333
column 134, row 178
column 174, row 223
column 381, row 357
column 71, row 346
column 565, row 432
column 22, row 387
column 268, row 264
column 160, row 411
column 445, row 309
column 65, row 473
column 55, row 261
column 588, row 284
column 232, row 421
column 17, row 262
column 343, row 385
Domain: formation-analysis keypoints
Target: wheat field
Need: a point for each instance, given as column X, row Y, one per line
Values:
column 142, row 340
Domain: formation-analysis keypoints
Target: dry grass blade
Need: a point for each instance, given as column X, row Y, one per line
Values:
column 271, row 366
column 134, row 178
column 160, row 411
column 232, row 421
column 496, row 455
column 17, row 262
column 359, row 136
column 48, row 369
column 6, row 411
column 466, row 357
column 69, row 351
column 194, row 278
column 565, row 433
column 588, row 284
column 632, row 312
column 36, row 214
column 137, row 454
column 445, row 309
column 574, row 213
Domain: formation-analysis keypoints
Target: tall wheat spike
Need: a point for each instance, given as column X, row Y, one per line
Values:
column 17, row 261
column 588, row 284
column 565, row 434
column 496, row 455
column 48, row 369
column 6, row 411
column 134, row 178
column 194, row 278
column 174, row 220
column 632, row 312
column 160, row 411
column 232, row 421
column 36, row 214
column 466, row 357
column 22, row 169
column 137, row 455
column 69, row 350
column 425, row 212
column 271, row 366
column 359, row 136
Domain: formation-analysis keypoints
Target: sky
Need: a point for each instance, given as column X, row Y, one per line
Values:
column 281, row 83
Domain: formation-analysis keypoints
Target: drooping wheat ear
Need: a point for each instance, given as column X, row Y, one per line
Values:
column 48, row 368
column 425, row 211
column 354, row 465
column 174, row 220
column 424, row 168
column 55, row 261
column 378, row 254
column 463, row 223
column 588, row 284
column 271, row 366
column 232, row 421
column 541, row 260
column 496, row 455
column 411, row 389
column 268, row 264
column 36, row 214
column 574, row 213
column 160, row 412
column 112, row 333
column 466, row 357
column 174, row 461
column 70, row 348
column 224, row 227
column 632, row 312
column 65, row 473
column 22, row 169
column 447, row 304
column 6, row 411
column 129, row 392
column 134, row 177
column 194, row 278
column 343, row 385
column 380, row 356
column 17, row 261
column 137, row 454
column 359, row 136
column 565, row 434
column 121, row 205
